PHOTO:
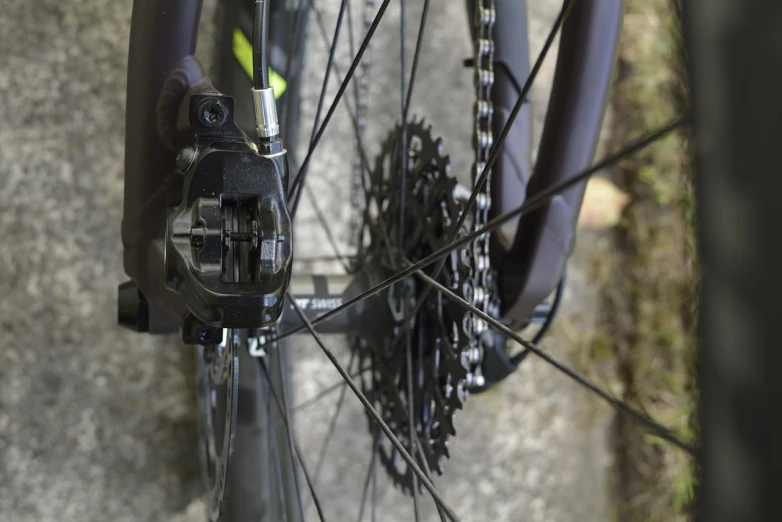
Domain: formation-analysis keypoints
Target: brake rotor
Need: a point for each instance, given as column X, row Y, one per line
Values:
column 218, row 389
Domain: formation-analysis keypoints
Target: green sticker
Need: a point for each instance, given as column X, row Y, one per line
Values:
column 243, row 50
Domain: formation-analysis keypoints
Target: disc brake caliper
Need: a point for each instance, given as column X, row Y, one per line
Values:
column 229, row 241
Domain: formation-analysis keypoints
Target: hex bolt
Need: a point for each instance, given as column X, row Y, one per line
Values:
column 212, row 112
column 204, row 335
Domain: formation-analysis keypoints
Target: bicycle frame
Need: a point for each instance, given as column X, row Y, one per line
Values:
column 164, row 31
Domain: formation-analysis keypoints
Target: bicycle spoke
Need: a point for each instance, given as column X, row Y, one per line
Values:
column 404, row 153
column 283, row 410
column 289, row 432
column 356, row 97
column 374, row 494
column 497, row 146
column 325, row 226
column 354, row 119
column 412, row 434
column 528, row 206
column 338, row 74
column 372, row 412
column 356, row 126
column 370, row 474
column 275, row 451
column 428, row 473
column 658, row 429
column 370, row 33
column 293, row 38
column 329, row 65
column 332, row 426
column 323, row 90
column 326, row 391
column 363, row 166
column 425, row 464
column 319, row 396
column 416, row 55
column 321, row 259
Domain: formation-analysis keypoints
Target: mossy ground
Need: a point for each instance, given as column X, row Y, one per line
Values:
column 646, row 347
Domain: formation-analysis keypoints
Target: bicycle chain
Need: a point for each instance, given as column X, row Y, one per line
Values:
column 481, row 289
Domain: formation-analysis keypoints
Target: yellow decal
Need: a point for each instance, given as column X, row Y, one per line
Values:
column 243, row 50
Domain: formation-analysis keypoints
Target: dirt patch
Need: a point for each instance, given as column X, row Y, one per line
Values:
column 646, row 344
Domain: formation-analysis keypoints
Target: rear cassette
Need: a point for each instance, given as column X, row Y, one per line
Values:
column 444, row 354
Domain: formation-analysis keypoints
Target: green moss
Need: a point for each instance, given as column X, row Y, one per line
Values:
column 654, row 288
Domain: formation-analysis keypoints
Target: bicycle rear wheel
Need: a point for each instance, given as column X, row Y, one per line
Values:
column 389, row 106
column 416, row 129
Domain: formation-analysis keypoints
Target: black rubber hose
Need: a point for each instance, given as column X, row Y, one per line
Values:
column 552, row 313
column 260, row 45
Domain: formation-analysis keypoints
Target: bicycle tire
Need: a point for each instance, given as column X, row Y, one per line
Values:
column 736, row 110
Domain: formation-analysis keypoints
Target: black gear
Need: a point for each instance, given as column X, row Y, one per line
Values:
column 440, row 348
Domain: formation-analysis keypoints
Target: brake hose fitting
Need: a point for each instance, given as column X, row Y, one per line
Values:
column 263, row 93
column 265, row 113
